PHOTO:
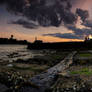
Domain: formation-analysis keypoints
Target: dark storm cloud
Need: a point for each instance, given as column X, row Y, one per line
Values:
column 25, row 24
column 65, row 35
column 2, row 1
column 83, row 14
column 45, row 12
column 14, row 5
column 50, row 13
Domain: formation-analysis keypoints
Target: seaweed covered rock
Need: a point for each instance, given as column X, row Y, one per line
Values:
column 3, row 88
column 70, row 84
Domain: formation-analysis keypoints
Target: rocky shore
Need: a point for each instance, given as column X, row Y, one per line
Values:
column 71, row 84
column 77, row 77
column 46, row 79
column 15, row 82
column 65, row 76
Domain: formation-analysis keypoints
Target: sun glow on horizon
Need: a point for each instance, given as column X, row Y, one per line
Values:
column 90, row 36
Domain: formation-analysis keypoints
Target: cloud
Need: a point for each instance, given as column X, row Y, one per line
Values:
column 52, row 14
column 80, row 32
column 65, row 35
column 88, row 23
column 2, row 1
column 45, row 12
column 77, row 33
column 14, row 5
column 25, row 23
column 83, row 14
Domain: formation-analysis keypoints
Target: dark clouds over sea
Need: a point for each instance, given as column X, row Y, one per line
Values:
column 50, row 13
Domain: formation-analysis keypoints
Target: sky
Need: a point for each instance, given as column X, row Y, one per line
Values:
column 25, row 26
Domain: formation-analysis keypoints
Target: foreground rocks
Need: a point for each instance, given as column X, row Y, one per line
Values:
column 40, row 83
column 46, row 79
column 3, row 88
column 71, row 84
column 11, row 81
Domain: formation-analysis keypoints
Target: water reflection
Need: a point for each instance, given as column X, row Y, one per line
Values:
column 13, row 52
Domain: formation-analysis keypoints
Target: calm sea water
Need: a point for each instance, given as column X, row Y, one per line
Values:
column 13, row 52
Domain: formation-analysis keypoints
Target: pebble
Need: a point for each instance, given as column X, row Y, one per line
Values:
column 10, row 65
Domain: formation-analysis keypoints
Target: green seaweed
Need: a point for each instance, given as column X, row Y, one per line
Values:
column 84, row 71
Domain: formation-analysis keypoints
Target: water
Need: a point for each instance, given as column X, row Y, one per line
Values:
column 14, row 52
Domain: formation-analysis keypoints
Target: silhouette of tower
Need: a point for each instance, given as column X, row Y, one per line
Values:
column 11, row 37
column 35, row 38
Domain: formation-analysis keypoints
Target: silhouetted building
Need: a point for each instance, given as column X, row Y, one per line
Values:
column 11, row 37
column 11, row 40
column 37, row 41
column 38, row 44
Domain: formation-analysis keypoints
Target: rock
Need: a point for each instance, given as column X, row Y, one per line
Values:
column 3, row 88
column 10, row 65
column 45, row 80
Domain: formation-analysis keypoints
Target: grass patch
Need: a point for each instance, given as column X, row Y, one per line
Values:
column 85, row 55
column 33, row 68
column 83, row 62
column 57, row 57
column 84, row 71
column 21, row 68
